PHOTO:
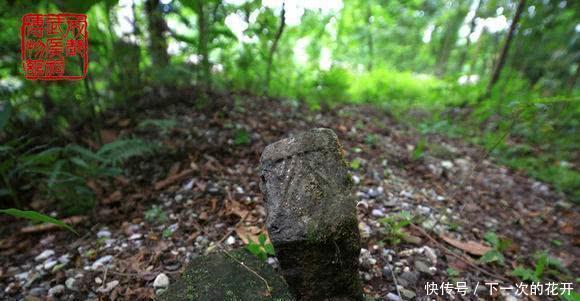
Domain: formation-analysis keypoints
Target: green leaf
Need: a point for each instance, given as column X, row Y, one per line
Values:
column 242, row 137
column 262, row 239
column 254, row 248
column 572, row 296
column 491, row 237
column 76, row 6
column 55, row 173
column 452, row 272
column 121, row 150
column 35, row 216
column 107, row 171
column 541, row 264
column 269, row 248
column 525, row 274
column 406, row 215
column 79, row 162
column 355, row 164
column 86, row 153
column 419, row 150
column 167, row 232
column 504, row 244
column 492, row 256
column 5, row 112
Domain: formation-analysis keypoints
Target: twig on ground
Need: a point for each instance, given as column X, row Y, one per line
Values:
column 174, row 179
column 139, row 274
column 249, row 269
column 467, row 261
column 73, row 220
column 79, row 241
column 211, row 248
column 395, row 280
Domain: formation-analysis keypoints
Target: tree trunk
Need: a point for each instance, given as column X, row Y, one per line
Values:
column 202, row 27
column 338, row 44
column 472, row 25
column 275, row 45
column 503, row 54
column 370, row 42
column 157, row 28
column 449, row 39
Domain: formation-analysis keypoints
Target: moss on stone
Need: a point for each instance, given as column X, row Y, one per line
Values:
column 219, row 277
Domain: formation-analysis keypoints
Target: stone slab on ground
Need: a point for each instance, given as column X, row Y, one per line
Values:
column 221, row 277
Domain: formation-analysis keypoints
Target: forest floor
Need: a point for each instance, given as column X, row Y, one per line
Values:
column 202, row 188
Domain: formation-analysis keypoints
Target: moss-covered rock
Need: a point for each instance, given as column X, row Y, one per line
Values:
column 221, row 277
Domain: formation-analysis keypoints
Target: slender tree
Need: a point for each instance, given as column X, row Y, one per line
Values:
column 203, row 36
column 504, row 50
column 275, row 45
column 472, row 25
column 157, row 29
column 370, row 41
column 450, row 35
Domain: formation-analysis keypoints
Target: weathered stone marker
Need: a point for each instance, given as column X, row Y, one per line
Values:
column 311, row 215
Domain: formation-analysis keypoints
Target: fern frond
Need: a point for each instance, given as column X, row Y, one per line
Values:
column 86, row 153
column 122, row 150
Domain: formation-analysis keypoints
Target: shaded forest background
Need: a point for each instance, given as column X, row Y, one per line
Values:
column 499, row 73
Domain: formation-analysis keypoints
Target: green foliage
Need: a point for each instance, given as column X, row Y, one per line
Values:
column 37, row 217
column 452, row 272
column 156, row 214
column 520, row 128
column 419, row 150
column 121, row 150
column 5, row 112
column 572, row 296
column 261, row 249
column 499, row 246
column 355, row 164
column 332, row 87
column 393, row 226
column 165, row 126
column 543, row 265
column 242, row 137
column 526, row 274
column 62, row 172
column 167, row 232
column 393, row 87
column 370, row 139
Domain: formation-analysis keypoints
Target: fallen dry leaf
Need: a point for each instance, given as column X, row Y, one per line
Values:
column 96, row 188
column 73, row 220
column 250, row 233
column 108, row 135
column 140, row 293
column 113, row 197
column 174, row 169
column 471, row 247
column 235, row 208
column 173, row 179
column 124, row 122
column 567, row 229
